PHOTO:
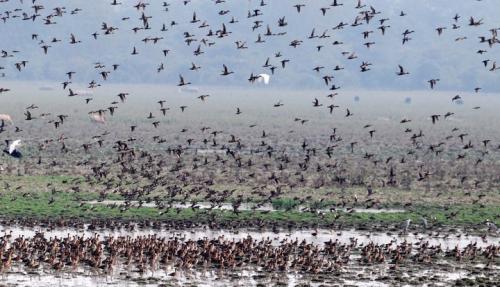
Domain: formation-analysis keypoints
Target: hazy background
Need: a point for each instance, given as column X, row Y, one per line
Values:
column 426, row 56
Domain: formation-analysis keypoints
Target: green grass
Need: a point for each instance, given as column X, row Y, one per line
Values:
column 66, row 205
column 285, row 204
column 32, row 201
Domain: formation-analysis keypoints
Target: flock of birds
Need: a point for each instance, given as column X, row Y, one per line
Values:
column 150, row 253
column 193, row 170
column 232, row 145
column 176, row 173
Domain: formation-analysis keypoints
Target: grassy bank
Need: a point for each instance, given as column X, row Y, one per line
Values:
column 49, row 205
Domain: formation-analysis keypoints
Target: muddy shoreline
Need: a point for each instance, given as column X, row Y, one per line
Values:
column 217, row 224
column 141, row 256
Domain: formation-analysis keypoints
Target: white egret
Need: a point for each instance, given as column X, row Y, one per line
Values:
column 12, row 149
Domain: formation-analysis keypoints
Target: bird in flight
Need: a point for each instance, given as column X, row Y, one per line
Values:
column 12, row 148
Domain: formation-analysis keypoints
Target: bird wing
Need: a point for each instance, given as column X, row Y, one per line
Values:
column 312, row 33
column 264, row 78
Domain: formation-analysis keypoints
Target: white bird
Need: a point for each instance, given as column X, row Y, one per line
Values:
column 12, row 149
column 6, row 118
column 97, row 117
column 264, row 78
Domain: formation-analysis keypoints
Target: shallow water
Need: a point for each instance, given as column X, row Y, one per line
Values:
column 367, row 276
column 242, row 207
column 201, row 279
column 316, row 236
column 351, row 274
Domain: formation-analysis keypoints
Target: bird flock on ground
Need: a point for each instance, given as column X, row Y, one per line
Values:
column 152, row 252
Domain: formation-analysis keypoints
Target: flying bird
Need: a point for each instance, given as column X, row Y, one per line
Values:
column 12, row 148
column 263, row 78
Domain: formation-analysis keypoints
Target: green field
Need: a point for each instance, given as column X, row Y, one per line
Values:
column 35, row 200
